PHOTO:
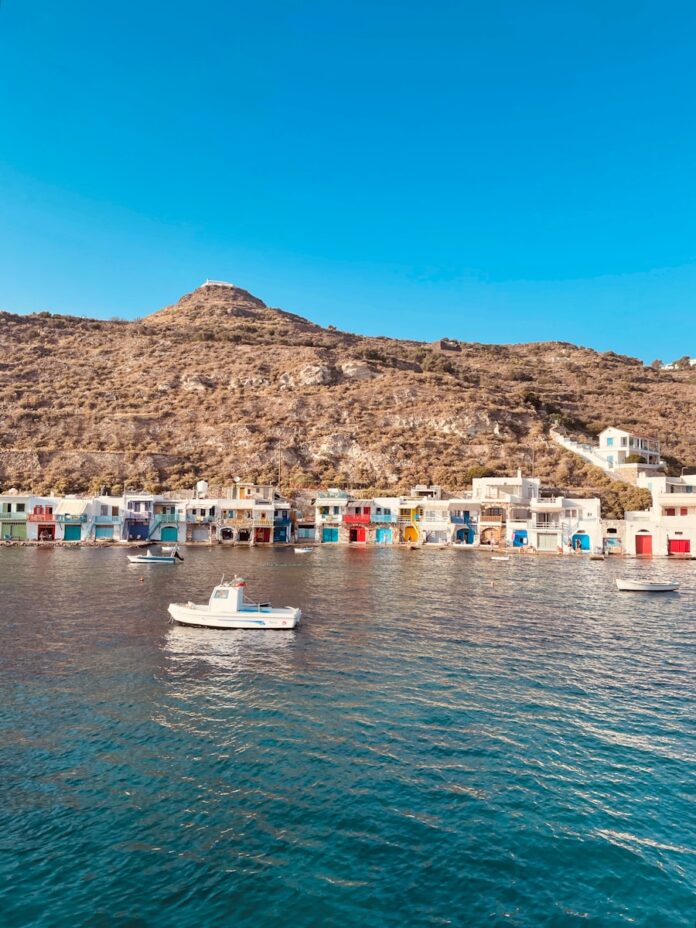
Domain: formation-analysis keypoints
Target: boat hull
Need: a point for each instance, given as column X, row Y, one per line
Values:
column 636, row 586
column 202, row 617
column 138, row 559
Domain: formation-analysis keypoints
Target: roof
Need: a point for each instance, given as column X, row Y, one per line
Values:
column 72, row 507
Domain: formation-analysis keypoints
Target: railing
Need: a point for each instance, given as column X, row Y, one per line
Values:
column 69, row 517
column 460, row 520
column 39, row 516
column 384, row 517
column 201, row 520
column 555, row 526
column 13, row 516
column 130, row 515
column 329, row 517
column 547, row 501
column 492, row 517
column 237, row 520
column 106, row 520
column 161, row 517
column 282, row 521
column 352, row 518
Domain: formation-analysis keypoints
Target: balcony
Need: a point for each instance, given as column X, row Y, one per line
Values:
column 384, row 517
column 13, row 516
column 492, row 517
column 246, row 519
column 329, row 517
column 39, row 515
column 460, row 520
column 199, row 520
column 550, row 526
column 63, row 517
column 131, row 515
column 282, row 521
column 161, row 517
column 547, row 502
column 352, row 518
column 106, row 520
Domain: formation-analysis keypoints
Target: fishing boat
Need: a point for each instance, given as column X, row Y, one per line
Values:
column 306, row 550
column 150, row 558
column 641, row 586
column 229, row 608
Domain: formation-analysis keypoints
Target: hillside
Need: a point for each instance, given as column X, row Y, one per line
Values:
column 220, row 384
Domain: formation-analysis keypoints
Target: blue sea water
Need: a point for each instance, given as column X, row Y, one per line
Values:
column 446, row 741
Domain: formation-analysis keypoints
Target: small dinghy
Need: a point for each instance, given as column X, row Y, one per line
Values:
column 500, row 557
column 640, row 586
column 228, row 608
column 596, row 557
column 150, row 558
column 303, row 550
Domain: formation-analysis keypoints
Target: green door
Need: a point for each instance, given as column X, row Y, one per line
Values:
column 17, row 531
column 102, row 531
column 169, row 533
column 72, row 533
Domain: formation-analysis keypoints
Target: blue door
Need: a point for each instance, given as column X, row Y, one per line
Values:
column 383, row 536
column 104, row 531
column 519, row 539
column 72, row 533
column 169, row 533
column 465, row 536
column 280, row 533
column 581, row 540
column 137, row 530
column 329, row 534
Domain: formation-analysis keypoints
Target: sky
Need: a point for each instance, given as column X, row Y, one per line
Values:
column 495, row 172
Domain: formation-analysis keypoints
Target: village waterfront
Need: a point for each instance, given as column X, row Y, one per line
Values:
column 446, row 740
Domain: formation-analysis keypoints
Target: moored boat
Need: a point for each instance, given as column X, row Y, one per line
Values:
column 150, row 558
column 228, row 608
column 305, row 550
column 641, row 586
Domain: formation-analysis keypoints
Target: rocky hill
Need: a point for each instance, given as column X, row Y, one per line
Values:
column 220, row 384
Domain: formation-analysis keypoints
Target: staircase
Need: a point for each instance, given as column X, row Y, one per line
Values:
column 588, row 453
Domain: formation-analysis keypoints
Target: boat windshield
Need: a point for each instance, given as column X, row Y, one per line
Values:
column 221, row 594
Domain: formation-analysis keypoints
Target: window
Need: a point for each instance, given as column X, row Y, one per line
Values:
column 683, row 511
column 21, row 507
column 670, row 511
column 610, row 442
column 220, row 594
column 103, row 510
column 623, row 442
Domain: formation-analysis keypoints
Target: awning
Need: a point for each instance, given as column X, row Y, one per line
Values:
column 71, row 507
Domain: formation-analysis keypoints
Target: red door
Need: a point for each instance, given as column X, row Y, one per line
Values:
column 644, row 544
column 679, row 546
column 357, row 534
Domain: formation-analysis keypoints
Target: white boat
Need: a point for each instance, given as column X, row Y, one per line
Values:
column 228, row 608
column 303, row 550
column 150, row 558
column 641, row 586
column 500, row 557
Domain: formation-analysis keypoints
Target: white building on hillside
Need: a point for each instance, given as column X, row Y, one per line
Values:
column 616, row 445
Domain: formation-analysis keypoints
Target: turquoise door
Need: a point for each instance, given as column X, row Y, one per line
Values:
column 102, row 531
column 582, row 541
column 329, row 534
column 169, row 533
column 383, row 536
column 72, row 533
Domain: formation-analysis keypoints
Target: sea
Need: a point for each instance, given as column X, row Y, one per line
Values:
column 446, row 740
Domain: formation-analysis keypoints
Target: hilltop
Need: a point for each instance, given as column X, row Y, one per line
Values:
column 219, row 384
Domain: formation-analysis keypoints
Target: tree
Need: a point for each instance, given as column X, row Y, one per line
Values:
column 635, row 459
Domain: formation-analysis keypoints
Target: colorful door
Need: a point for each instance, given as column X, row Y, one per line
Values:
column 280, row 534
column 581, row 541
column 17, row 531
column 104, row 531
column 644, row 544
column 383, row 536
column 169, row 533
column 357, row 534
column 410, row 533
column 72, row 533
column 329, row 534
column 263, row 535
column 679, row 546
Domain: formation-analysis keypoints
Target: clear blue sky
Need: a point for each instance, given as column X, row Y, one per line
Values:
column 497, row 171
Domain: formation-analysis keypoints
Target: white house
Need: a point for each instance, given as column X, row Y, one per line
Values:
column 616, row 445
column 669, row 526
